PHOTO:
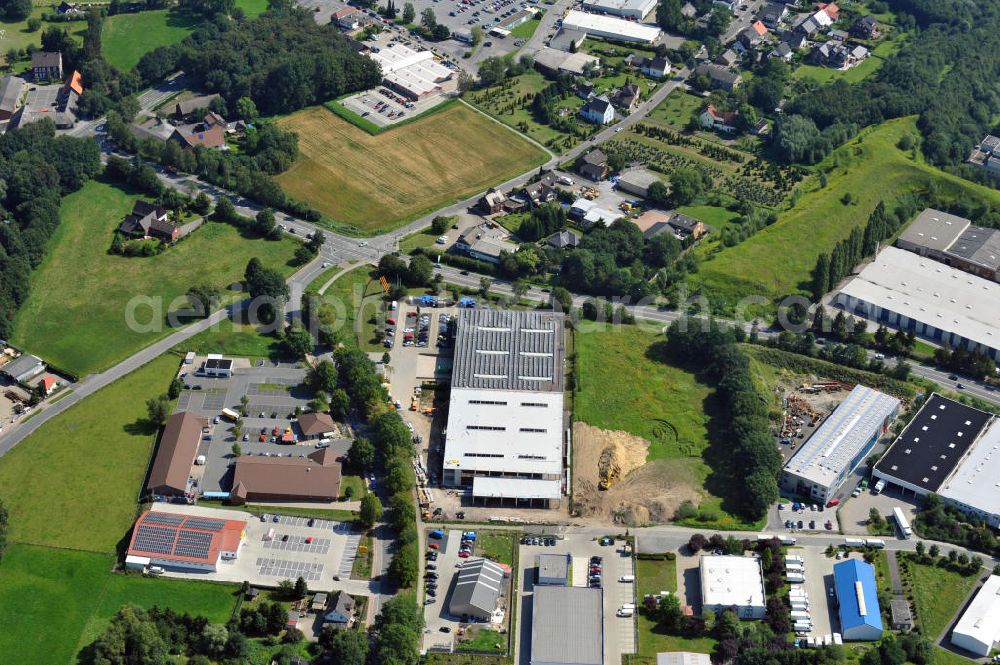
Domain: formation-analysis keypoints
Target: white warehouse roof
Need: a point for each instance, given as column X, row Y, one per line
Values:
column 979, row 627
column 515, row 488
column 933, row 293
column 974, row 482
column 607, row 26
column 733, row 581
column 638, row 8
column 835, row 444
column 414, row 71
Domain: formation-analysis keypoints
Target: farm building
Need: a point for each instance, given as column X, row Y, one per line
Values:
column 553, row 569
column 567, row 626
column 478, row 587
column 184, row 542
column 935, row 301
column 505, row 417
column 414, row 74
column 857, row 600
column 315, row 477
column 316, row 425
column 171, row 473
column 978, row 631
column 23, row 368
column 732, row 582
column 637, row 181
column 633, row 9
column 608, row 27
column 11, row 88
column 835, row 449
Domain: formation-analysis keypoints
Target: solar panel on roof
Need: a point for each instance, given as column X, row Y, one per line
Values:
column 204, row 523
column 154, row 539
column 166, row 519
column 193, row 544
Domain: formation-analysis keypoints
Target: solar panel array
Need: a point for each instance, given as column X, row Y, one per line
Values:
column 164, row 519
column 171, row 534
column 154, row 539
column 204, row 524
column 194, row 544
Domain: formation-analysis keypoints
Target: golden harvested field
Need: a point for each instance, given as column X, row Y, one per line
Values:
column 376, row 182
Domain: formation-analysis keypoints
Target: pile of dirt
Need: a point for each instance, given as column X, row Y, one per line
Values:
column 642, row 493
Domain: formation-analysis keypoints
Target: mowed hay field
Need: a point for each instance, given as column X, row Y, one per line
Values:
column 376, row 182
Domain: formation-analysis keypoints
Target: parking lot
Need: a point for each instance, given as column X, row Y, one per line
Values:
column 854, row 514
column 385, row 107
column 812, row 517
column 819, row 584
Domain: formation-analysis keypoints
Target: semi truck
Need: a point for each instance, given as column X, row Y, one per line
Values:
column 902, row 523
column 876, row 543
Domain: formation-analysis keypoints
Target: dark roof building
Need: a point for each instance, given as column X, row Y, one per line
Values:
column 11, row 89
column 594, row 165
column 719, row 76
column 176, row 454
column 316, row 424
column 865, row 27
column 902, row 619
column 478, row 587
column 932, row 445
column 148, row 220
column 563, row 240
column 315, row 477
column 189, row 106
column 46, row 65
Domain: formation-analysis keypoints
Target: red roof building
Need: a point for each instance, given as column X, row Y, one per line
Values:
column 830, row 9
column 759, row 28
column 184, row 542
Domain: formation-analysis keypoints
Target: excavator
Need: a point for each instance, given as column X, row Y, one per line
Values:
column 607, row 469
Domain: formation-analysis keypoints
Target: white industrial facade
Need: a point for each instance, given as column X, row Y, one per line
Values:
column 972, row 487
column 505, row 417
column 732, row 582
column 979, row 628
column 608, row 27
column 636, row 9
column 842, row 442
column 412, row 73
column 938, row 302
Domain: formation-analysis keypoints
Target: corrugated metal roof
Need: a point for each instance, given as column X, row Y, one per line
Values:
column 477, row 588
column 857, row 594
column 567, row 625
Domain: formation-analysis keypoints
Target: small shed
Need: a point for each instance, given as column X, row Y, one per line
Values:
column 901, row 617
column 553, row 569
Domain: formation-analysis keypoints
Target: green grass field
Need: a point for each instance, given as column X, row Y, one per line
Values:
column 354, row 293
column 866, row 68
column 16, row 35
column 496, row 546
column 75, row 481
column 526, row 29
column 674, row 411
column 421, row 239
column 79, row 287
column 778, row 259
column 937, row 595
column 375, row 183
column 234, row 339
column 652, row 577
column 678, row 108
column 483, row 639
column 127, row 37
column 252, row 8
column 54, row 602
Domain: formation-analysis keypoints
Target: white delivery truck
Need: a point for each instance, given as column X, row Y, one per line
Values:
column 787, row 540
column 854, row 542
column 624, row 612
column 799, row 615
column 904, row 525
column 155, row 570
column 876, row 543
column 793, row 558
column 796, row 578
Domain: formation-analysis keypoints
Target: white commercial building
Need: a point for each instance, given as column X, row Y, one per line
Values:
column 636, row 9
column 835, row 449
column 979, row 628
column 938, row 302
column 973, row 486
column 596, row 25
column 411, row 73
column 505, row 418
column 732, row 582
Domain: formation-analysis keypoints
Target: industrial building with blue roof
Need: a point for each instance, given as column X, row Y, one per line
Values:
column 857, row 597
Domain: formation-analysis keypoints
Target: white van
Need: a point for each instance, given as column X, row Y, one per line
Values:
column 627, row 579
column 155, row 570
column 624, row 612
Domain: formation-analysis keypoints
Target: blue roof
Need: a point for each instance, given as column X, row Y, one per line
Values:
column 845, row 575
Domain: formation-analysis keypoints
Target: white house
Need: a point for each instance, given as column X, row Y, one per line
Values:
column 657, row 68
column 720, row 121
column 598, row 111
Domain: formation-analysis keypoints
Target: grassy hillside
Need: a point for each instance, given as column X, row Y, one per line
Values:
column 127, row 37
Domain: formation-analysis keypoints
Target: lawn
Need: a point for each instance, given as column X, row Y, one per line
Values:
column 53, row 602
column 937, row 595
column 678, row 108
column 526, row 29
column 652, row 577
column 420, row 239
column 127, row 37
column 16, row 35
column 333, row 514
column 371, row 183
column 652, row 641
column 81, row 287
column 674, row 411
column 354, row 293
column 868, row 66
column 74, row 482
column 496, row 546
column 778, row 260
column 356, row 485
column 252, row 8
column 482, row 639
column 715, row 216
column 234, row 339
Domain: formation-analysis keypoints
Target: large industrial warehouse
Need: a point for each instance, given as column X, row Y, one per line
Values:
column 634, row 9
column 955, row 241
column 184, row 542
column 505, row 417
column 175, row 455
column 567, row 626
column 979, row 628
column 837, row 446
column 732, row 582
column 938, row 302
column 412, row 73
column 609, row 27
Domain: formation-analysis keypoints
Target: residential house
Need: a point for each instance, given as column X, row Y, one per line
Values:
column 654, row 222
column 761, row 128
column 752, row 36
column 657, row 67
column 68, row 9
column 627, row 98
column 838, row 35
column 46, row 65
column 48, row 384
column 11, row 89
column 815, row 23
column 795, row 40
column 340, row 611
column 541, row 192
column 782, row 51
column 148, row 220
column 720, row 121
column 865, row 27
column 594, row 165
column 831, row 10
column 209, row 133
column 347, row 18
column 491, row 202
column 316, row 425
column 485, row 242
column 838, row 55
column 686, row 227
column 689, row 10
column 563, row 240
column 598, row 110
column 728, row 59
column 720, row 78
column 585, row 90
column 774, row 13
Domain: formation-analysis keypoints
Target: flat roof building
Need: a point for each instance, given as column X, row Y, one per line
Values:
column 935, row 301
column 555, row 61
column 932, row 445
column 634, row 9
column 184, row 542
column 608, row 27
column 216, row 365
column 972, row 487
column 839, row 444
column 637, row 181
column 23, row 368
column 932, row 232
column 478, row 587
column 175, row 455
column 553, row 569
column 505, row 418
column 567, row 626
column 315, row 477
column 954, row 241
column 683, row 658
column 415, row 74
column 857, row 600
column 979, row 628
column 732, row 582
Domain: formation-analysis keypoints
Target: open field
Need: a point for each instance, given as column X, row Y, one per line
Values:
column 937, row 595
column 127, row 37
column 374, row 183
column 526, row 29
column 678, row 108
column 252, row 8
column 421, row 239
column 654, row 577
column 81, row 287
column 496, row 546
column 672, row 410
column 74, row 482
column 234, row 339
column 778, row 259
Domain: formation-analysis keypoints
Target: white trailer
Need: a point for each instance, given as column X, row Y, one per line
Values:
column 793, row 558
column 787, row 540
column 902, row 523
column 799, row 615
column 796, row 578
column 876, row 543
column 854, row 542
